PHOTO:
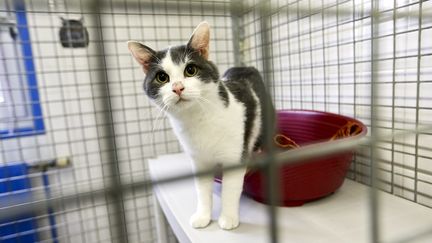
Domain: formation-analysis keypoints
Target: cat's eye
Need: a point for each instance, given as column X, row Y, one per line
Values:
column 190, row 70
column 162, row 77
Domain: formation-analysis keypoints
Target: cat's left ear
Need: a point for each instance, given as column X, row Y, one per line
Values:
column 200, row 39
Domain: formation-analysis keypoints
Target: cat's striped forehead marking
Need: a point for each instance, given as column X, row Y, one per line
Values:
column 180, row 54
column 166, row 63
column 174, row 61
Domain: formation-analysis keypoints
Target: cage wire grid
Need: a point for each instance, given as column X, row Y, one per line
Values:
column 365, row 59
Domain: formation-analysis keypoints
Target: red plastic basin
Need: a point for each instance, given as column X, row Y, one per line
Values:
column 305, row 181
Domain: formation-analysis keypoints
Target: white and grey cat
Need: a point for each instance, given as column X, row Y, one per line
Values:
column 218, row 121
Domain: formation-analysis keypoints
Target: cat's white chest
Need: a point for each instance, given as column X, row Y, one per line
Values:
column 213, row 136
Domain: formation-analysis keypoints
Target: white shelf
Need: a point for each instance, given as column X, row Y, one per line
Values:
column 342, row 217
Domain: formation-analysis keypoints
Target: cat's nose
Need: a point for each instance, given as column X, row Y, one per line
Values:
column 177, row 87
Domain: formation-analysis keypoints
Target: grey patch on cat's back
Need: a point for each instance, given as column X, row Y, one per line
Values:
column 242, row 82
column 238, row 82
column 223, row 94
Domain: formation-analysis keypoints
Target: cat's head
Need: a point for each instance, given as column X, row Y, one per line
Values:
column 178, row 77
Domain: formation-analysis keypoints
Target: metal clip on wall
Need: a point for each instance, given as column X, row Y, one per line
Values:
column 58, row 163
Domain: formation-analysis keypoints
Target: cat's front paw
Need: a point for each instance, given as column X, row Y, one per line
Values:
column 227, row 222
column 199, row 220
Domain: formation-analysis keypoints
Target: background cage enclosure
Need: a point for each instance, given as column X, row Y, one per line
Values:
column 366, row 59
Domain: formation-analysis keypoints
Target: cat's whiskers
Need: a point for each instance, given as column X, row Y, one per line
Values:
column 160, row 117
column 197, row 96
column 154, row 122
column 191, row 94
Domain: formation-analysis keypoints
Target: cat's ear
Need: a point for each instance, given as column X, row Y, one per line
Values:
column 141, row 53
column 200, row 39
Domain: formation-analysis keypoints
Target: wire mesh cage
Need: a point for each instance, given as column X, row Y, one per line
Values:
column 76, row 129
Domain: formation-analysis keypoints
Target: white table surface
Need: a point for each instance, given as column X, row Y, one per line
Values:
column 342, row 217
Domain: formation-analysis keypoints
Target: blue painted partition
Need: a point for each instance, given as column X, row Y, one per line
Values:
column 15, row 186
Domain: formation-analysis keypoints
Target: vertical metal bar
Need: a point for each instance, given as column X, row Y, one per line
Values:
column 373, row 197
column 140, row 140
column 280, row 95
column 338, row 57
column 420, row 20
column 68, row 122
column 68, row 7
column 161, row 225
column 311, row 56
column 169, row 39
column 324, row 55
column 152, row 120
column 299, row 53
column 355, row 79
column 237, row 31
column 51, row 215
column 124, row 113
column 393, row 97
column 119, row 220
column 288, row 12
column 271, row 175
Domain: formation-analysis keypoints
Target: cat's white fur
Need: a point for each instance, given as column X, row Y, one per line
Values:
column 210, row 133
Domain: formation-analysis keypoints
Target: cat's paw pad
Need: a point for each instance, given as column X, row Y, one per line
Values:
column 199, row 220
column 228, row 223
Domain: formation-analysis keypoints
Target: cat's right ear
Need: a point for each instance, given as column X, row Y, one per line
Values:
column 141, row 53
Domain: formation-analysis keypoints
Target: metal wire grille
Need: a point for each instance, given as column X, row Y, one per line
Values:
column 366, row 59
